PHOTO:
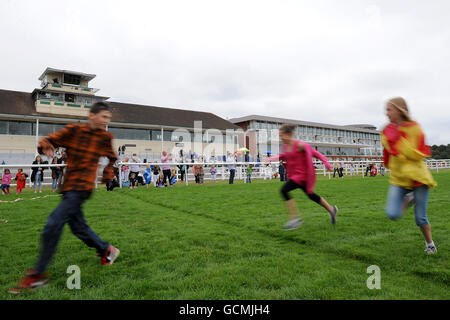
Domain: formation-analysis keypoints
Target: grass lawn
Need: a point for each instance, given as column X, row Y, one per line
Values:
column 220, row 241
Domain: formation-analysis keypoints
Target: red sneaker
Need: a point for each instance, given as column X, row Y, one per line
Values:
column 110, row 256
column 32, row 280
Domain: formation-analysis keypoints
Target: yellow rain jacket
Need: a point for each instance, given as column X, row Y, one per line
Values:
column 404, row 153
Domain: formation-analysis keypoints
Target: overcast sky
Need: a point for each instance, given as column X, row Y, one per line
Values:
column 334, row 62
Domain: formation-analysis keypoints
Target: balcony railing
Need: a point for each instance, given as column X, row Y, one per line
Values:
column 48, row 102
column 68, row 87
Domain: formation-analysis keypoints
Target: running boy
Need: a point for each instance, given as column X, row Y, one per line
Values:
column 85, row 144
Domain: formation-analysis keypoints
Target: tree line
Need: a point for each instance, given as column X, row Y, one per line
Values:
column 440, row 152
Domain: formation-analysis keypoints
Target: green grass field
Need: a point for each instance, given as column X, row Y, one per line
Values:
column 220, row 241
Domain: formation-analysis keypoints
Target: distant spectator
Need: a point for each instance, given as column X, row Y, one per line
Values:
column 182, row 167
column 126, row 173
column 61, row 160
column 368, row 168
column 133, row 181
column 282, row 171
column 213, row 172
column 55, row 174
column 173, row 177
column 231, row 160
column 200, row 172
column 249, row 173
column 37, row 174
column 335, row 169
column 134, row 168
column 156, row 173
column 21, row 178
column 6, row 182
column 268, row 172
column 148, row 175
column 165, row 168
column 374, row 171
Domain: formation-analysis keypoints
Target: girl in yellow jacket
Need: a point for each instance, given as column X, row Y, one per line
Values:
column 404, row 153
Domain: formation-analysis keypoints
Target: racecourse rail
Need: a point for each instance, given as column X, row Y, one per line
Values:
column 259, row 171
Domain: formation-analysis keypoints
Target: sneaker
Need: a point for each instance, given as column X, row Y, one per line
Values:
column 333, row 215
column 111, row 254
column 430, row 249
column 32, row 280
column 293, row 224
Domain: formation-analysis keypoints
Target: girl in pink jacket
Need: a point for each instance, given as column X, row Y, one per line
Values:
column 6, row 181
column 301, row 174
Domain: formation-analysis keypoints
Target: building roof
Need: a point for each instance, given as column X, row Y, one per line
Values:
column 86, row 76
column 359, row 128
column 16, row 103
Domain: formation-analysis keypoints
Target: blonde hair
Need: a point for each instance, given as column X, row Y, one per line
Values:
column 400, row 104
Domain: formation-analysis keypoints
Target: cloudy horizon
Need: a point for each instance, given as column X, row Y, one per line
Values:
column 319, row 61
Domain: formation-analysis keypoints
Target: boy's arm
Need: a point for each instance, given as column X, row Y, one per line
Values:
column 108, row 171
column 58, row 139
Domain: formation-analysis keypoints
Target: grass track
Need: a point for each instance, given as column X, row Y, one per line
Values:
column 221, row 241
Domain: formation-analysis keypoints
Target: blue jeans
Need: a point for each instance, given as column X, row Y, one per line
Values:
column 395, row 199
column 249, row 178
column 37, row 180
column 68, row 211
column 54, row 182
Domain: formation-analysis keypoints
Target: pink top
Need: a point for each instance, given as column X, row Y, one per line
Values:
column 6, row 179
column 165, row 159
column 299, row 165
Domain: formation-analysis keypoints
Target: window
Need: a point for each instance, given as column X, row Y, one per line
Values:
column 156, row 135
column 45, row 129
column 167, row 135
column 70, row 97
column 3, row 127
column 20, row 128
column 130, row 134
column 72, row 79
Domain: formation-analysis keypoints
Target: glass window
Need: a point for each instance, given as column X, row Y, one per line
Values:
column 130, row 134
column 72, row 79
column 155, row 135
column 20, row 128
column 45, row 129
column 167, row 135
column 3, row 127
column 58, row 126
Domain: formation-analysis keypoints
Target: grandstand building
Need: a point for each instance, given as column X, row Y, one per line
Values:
column 351, row 142
column 65, row 97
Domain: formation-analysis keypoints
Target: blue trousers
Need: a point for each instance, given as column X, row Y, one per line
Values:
column 395, row 199
column 68, row 211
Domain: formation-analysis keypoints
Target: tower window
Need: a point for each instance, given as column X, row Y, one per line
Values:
column 72, row 79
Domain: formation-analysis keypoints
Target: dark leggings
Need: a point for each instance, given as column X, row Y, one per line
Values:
column 291, row 185
column 166, row 176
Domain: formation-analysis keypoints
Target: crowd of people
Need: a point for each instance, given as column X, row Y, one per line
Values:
column 159, row 174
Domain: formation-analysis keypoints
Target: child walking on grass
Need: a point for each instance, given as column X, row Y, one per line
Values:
column 87, row 142
column 21, row 178
column 301, row 174
column 410, row 181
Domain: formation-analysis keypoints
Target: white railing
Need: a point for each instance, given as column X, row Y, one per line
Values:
column 259, row 170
